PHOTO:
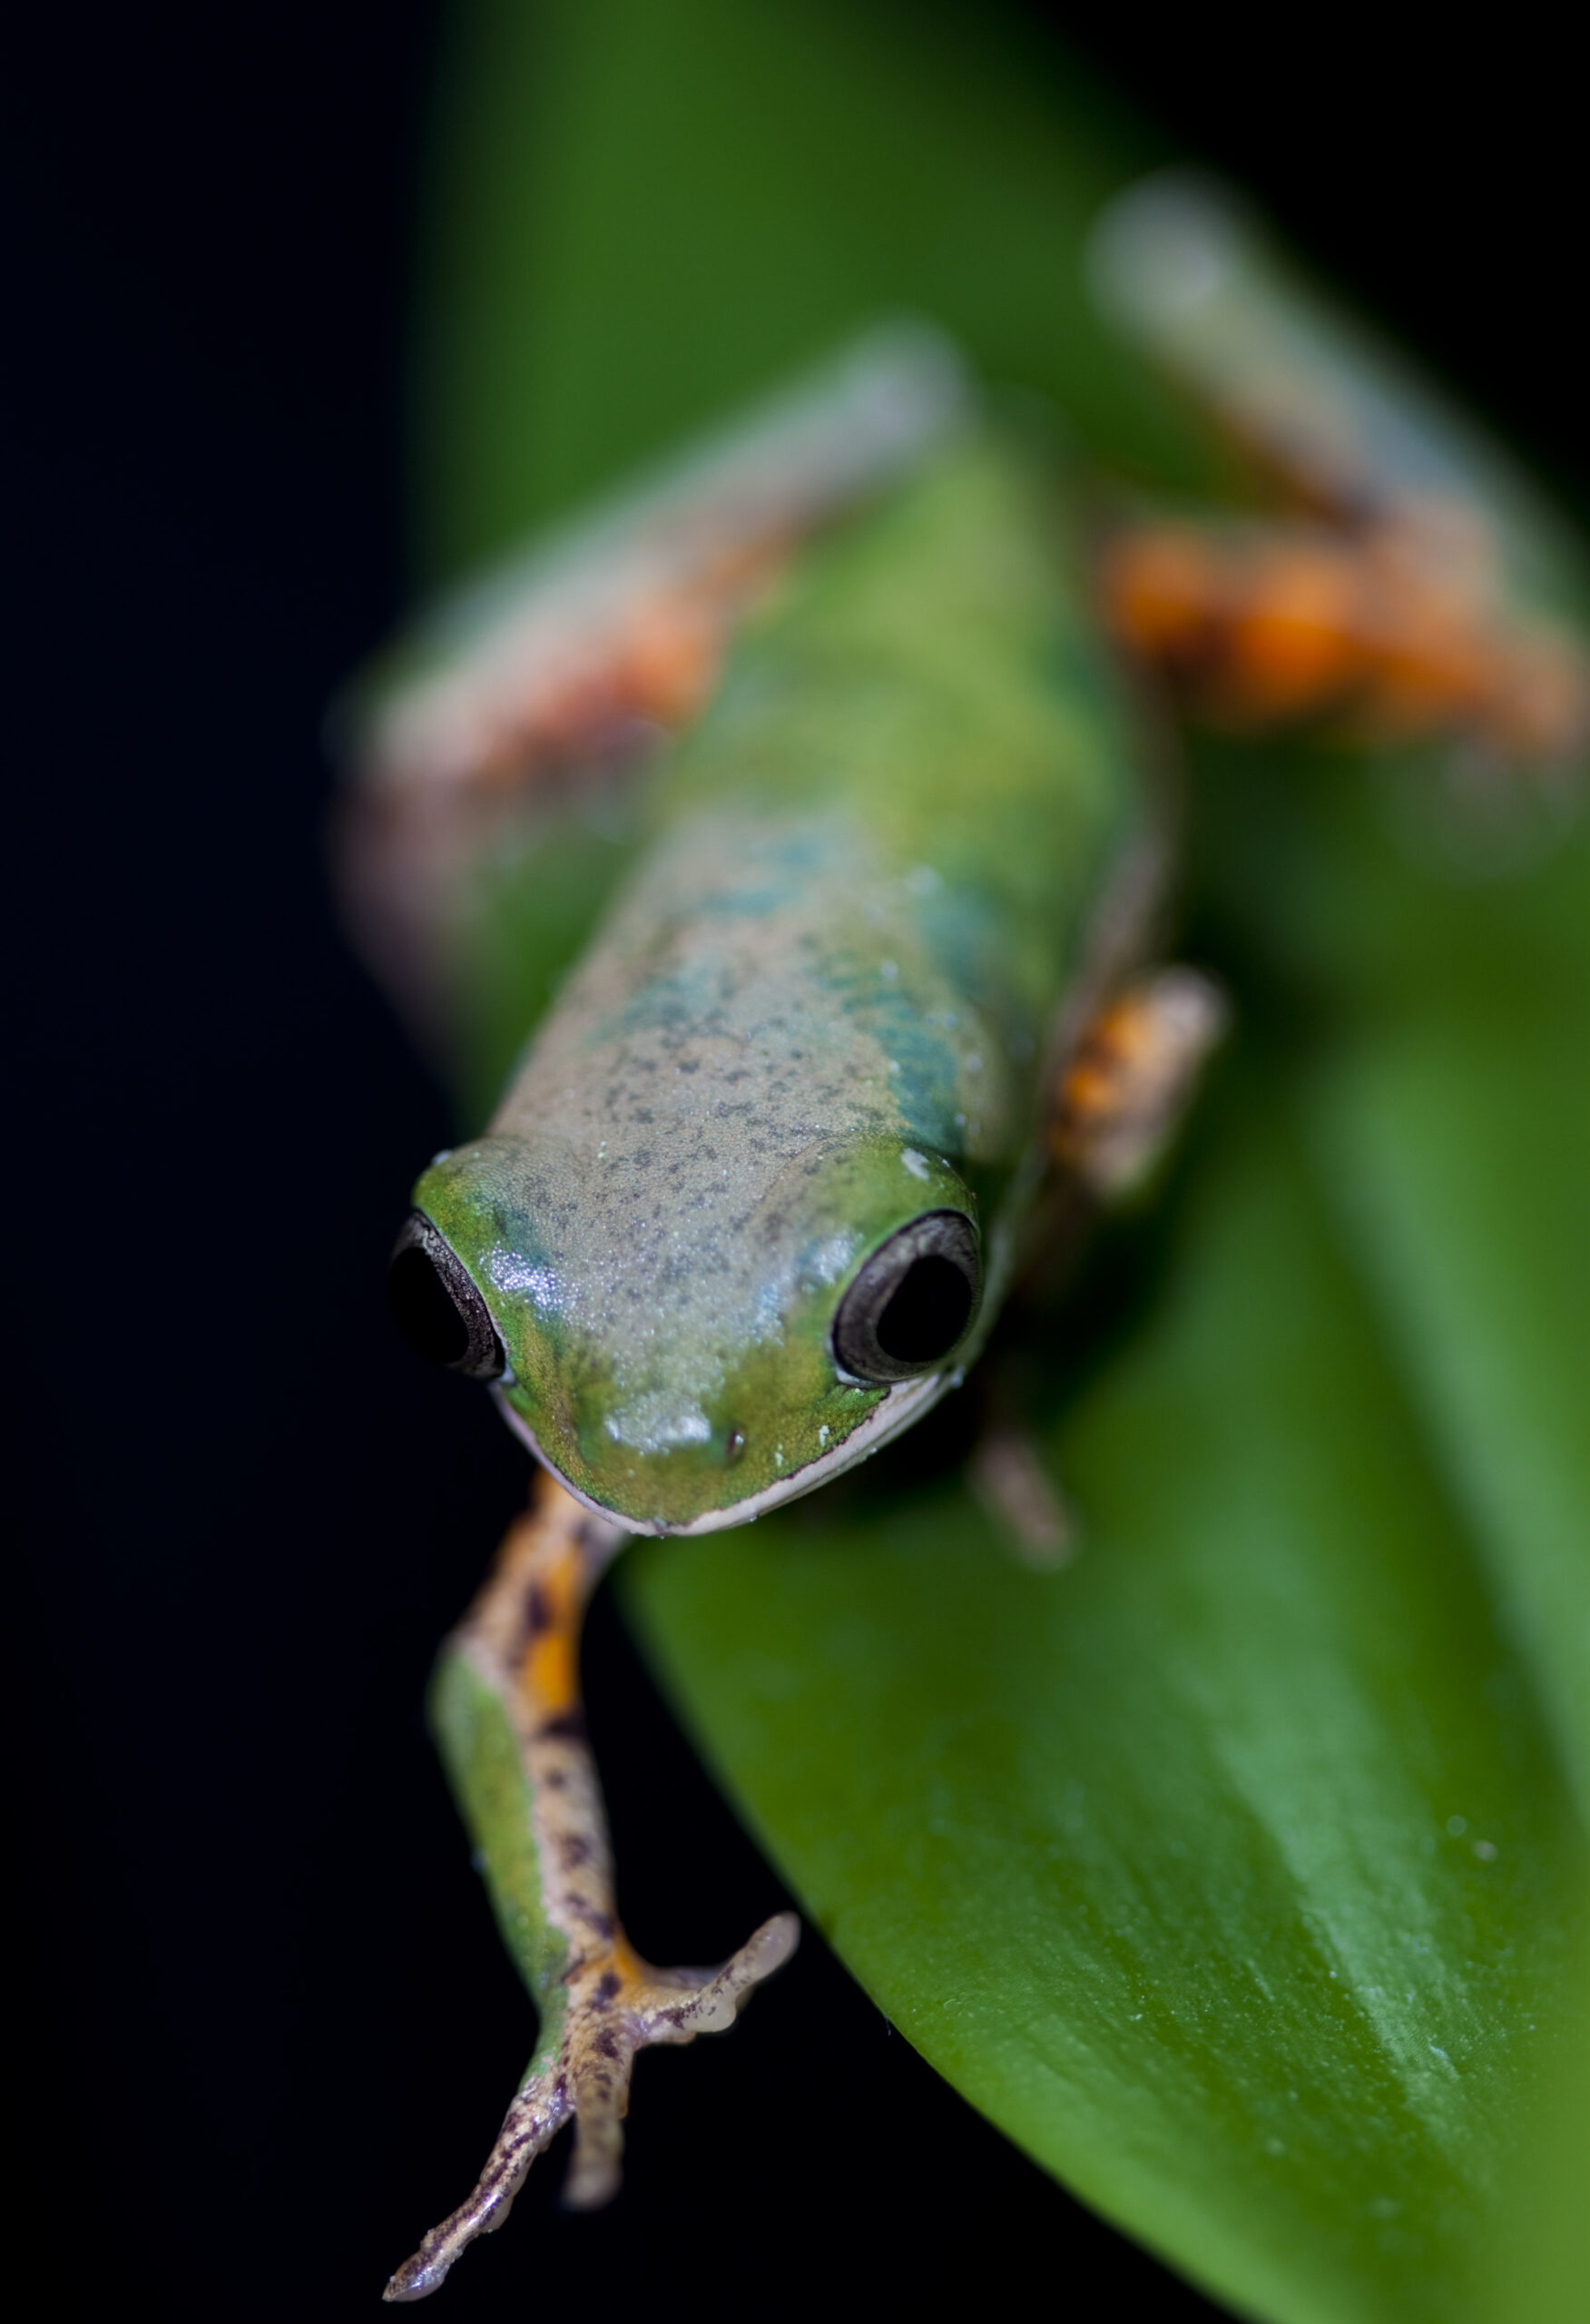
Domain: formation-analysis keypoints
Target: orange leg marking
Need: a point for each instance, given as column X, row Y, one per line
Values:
column 1397, row 629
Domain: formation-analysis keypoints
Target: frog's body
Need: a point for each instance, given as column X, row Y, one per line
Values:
column 875, row 980
column 825, row 1005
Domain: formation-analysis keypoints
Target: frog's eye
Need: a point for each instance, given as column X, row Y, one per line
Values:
column 436, row 1307
column 912, row 1302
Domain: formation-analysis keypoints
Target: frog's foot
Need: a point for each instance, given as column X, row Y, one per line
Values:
column 621, row 2005
column 1132, row 1078
column 617, row 2005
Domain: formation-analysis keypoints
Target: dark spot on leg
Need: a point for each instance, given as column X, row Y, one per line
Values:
column 607, row 1989
column 566, row 1727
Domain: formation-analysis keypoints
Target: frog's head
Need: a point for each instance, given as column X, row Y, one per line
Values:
column 683, row 1367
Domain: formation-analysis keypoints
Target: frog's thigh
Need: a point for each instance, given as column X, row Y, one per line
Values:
column 1400, row 630
column 1131, row 1077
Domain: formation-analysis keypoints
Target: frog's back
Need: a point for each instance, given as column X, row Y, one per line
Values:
column 930, row 678
column 820, row 1009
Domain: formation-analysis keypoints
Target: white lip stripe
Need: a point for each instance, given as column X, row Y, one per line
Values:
column 903, row 1403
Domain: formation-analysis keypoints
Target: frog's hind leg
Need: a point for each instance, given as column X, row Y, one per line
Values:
column 1430, row 595
column 1397, row 630
column 507, row 1707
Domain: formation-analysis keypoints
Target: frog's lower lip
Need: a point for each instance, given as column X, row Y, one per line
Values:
column 904, row 1403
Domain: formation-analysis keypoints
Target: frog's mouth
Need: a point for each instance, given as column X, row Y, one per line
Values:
column 903, row 1403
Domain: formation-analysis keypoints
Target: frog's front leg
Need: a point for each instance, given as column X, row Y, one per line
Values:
column 1131, row 1078
column 1122, row 1095
column 507, row 1707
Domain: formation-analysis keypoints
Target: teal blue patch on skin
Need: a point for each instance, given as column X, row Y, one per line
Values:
column 777, row 873
column 923, row 1069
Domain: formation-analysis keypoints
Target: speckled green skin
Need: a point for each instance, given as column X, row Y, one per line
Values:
column 822, row 1006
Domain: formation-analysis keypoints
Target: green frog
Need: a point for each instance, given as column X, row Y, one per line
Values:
column 859, row 711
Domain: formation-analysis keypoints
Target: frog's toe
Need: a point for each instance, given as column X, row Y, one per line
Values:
column 538, row 2112
column 680, row 2003
column 597, row 2168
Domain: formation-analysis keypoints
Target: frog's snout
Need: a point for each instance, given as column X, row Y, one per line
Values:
column 733, row 1362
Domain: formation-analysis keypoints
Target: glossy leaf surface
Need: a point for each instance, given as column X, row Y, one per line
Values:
column 1235, row 1868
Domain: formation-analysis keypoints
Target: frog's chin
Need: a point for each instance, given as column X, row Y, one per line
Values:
column 904, row 1403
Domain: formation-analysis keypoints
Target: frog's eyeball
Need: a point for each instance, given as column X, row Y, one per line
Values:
column 913, row 1301
column 436, row 1307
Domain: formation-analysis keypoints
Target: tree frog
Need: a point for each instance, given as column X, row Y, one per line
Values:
column 859, row 708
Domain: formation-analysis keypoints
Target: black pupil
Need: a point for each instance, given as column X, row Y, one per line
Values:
column 927, row 1313
column 423, row 1308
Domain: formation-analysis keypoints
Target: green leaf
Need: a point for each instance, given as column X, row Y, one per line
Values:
column 1446, row 1104
column 1237, row 1869
column 645, row 211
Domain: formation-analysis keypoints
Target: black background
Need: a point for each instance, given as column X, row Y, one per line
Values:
column 266, row 2030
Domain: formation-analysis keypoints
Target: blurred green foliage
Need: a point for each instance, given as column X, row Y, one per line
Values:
column 1238, row 1869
